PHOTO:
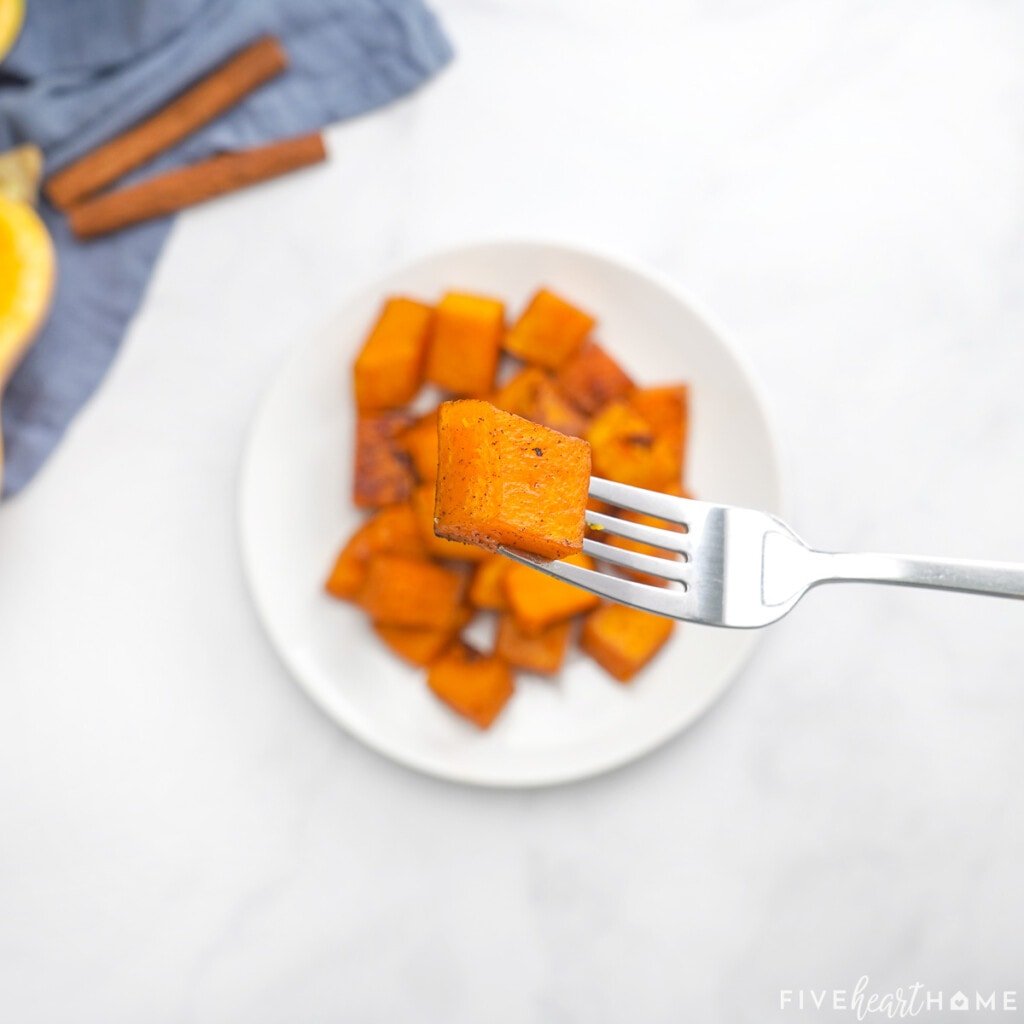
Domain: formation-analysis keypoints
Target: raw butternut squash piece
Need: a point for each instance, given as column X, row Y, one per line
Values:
column 423, row 502
column 389, row 368
column 538, row 600
column 392, row 530
column 622, row 640
column 487, row 588
column 383, row 471
column 542, row 652
column 502, row 480
column 666, row 409
column 474, row 685
column 466, row 343
column 420, row 647
column 626, row 448
column 549, row 331
column 591, row 379
column 420, row 443
column 415, row 592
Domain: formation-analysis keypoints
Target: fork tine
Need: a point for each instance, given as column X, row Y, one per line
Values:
column 638, row 595
column 669, row 540
column 665, row 568
column 662, row 506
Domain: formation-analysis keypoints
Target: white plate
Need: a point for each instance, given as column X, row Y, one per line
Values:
column 295, row 511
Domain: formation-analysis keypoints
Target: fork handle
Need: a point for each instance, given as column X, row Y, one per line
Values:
column 1000, row 579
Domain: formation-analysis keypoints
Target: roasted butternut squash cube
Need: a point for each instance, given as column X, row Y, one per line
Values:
column 518, row 394
column 389, row 368
column 666, row 409
column 465, row 343
column 626, row 448
column 423, row 502
column 622, row 640
column 502, row 480
column 487, row 588
column 420, row 647
column 552, row 409
column 591, row 379
column 543, row 651
column 538, row 600
column 393, row 530
column 532, row 394
column 474, row 685
column 383, row 471
column 549, row 331
column 348, row 573
column 414, row 592
column 420, row 443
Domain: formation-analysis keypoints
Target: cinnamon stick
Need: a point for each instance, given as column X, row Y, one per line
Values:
column 188, row 186
column 207, row 99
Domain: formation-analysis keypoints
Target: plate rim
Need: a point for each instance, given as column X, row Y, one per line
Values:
column 584, row 769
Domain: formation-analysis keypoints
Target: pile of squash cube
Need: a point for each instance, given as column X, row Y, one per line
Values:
column 419, row 590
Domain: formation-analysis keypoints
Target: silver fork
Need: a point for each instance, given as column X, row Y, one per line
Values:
column 741, row 568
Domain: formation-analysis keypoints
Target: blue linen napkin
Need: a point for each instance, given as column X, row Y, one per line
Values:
column 84, row 70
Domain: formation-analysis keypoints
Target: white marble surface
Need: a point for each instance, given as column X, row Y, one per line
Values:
column 185, row 838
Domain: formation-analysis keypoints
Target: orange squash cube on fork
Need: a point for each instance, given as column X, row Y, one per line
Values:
column 466, row 343
column 502, row 480
column 389, row 368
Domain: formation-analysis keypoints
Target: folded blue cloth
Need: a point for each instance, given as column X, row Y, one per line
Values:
column 84, row 70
